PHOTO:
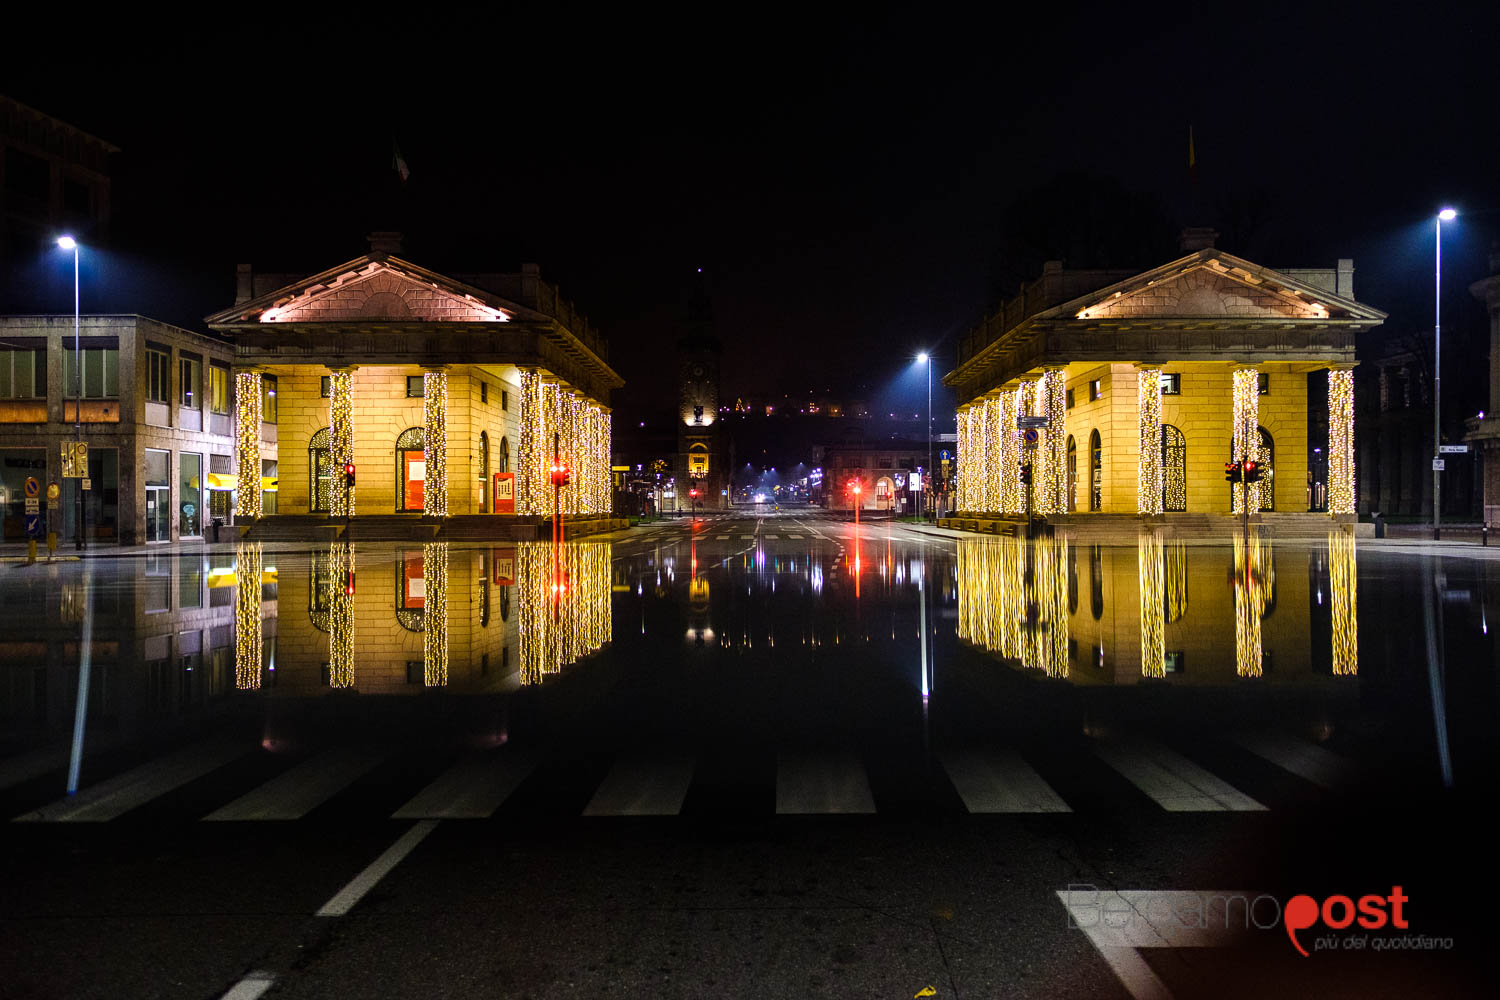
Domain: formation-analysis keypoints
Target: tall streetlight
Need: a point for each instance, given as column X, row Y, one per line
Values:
column 1446, row 215
column 926, row 359
column 69, row 243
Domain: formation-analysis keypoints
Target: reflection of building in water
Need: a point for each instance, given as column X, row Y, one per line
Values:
column 1342, row 575
column 1166, row 610
column 564, row 623
column 163, row 643
column 1012, row 600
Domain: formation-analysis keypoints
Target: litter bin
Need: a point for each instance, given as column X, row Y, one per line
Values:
column 1379, row 525
column 218, row 523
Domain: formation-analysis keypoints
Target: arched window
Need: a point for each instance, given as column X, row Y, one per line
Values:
column 502, row 461
column 1096, row 472
column 1265, row 457
column 1072, row 475
column 1072, row 577
column 1173, row 469
column 411, row 590
column 320, row 473
column 484, row 472
column 411, row 469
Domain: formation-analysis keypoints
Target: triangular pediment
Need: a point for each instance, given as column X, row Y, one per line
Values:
column 1212, row 285
column 373, row 289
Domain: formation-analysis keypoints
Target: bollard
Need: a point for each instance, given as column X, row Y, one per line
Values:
column 31, row 551
column 1484, row 535
column 1379, row 525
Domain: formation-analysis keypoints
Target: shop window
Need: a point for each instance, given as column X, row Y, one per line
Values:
column 411, row 469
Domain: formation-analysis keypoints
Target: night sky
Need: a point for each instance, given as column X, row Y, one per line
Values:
column 857, row 186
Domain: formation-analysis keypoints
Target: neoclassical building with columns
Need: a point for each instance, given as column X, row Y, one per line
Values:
column 448, row 394
column 1150, row 382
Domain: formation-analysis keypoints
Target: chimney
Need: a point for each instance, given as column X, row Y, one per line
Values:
column 244, row 283
column 1195, row 238
column 531, row 277
column 385, row 242
column 1344, row 288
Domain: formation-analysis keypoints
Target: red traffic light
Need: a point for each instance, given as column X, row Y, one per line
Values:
column 854, row 486
column 693, row 494
column 349, row 470
column 560, row 474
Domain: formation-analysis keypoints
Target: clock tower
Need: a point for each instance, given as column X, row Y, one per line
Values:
column 701, row 462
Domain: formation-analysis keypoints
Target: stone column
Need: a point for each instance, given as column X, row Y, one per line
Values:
column 1245, row 420
column 1148, row 487
column 1052, row 485
column 340, row 440
column 247, row 426
column 435, row 441
column 1341, row 494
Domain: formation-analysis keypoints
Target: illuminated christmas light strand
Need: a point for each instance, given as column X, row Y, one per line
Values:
column 1052, row 400
column 340, row 614
column 341, row 441
column 435, row 614
column 1246, row 439
column 1148, row 490
column 1007, row 610
column 249, row 648
column 247, row 498
column 435, row 442
column 1343, row 577
column 1151, row 568
column 1341, row 492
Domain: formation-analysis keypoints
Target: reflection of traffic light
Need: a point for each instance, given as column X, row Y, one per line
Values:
column 1025, row 473
column 349, row 476
column 1232, row 472
column 560, row 473
column 1253, row 472
column 349, row 583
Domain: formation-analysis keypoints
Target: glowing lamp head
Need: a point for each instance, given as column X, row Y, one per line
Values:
column 922, row 358
column 67, row 243
column 1447, row 215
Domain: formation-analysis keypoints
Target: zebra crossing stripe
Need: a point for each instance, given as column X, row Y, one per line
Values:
column 122, row 793
column 1172, row 781
column 643, row 786
column 473, row 788
column 822, row 783
column 302, row 789
column 999, row 782
column 1305, row 760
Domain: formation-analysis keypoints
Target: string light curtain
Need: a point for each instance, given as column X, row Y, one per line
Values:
column 961, row 456
column 435, row 442
column 249, row 647
column 1343, row 576
column 582, row 430
column 1052, row 399
column 558, row 628
column 1340, row 441
column 340, row 615
column 1008, row 454
column 341, row 440
column 994, row 452
column 1007, row 610
column 1246, row 442
column 247, row 499
column 1151, row 563
column 1148, row 490
column 435, row 613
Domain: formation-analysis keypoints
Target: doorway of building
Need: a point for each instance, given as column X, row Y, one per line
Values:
column 158, row 496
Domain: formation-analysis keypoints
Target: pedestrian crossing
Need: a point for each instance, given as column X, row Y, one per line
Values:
column 476, row 785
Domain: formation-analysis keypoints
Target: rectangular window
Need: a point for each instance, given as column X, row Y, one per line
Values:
column 268, row 399
column 1070, row 399
column 218, row 389
column 1096, row 391
column 504, row 400
column 189, row 371
column 484, row 392
column 23, row 374
column 325, row 386
column 1263, row 383
column 416, row 386
column 158, row 377
column 101, row 372
column 1171, row 384
column 269, row 484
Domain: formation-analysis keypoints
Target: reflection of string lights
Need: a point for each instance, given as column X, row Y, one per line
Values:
column 341, row 614
column 1004, row 609
column 248, row 645
column 1151, row 567
column 435, row 611
column 435, row 442
column 1148, row 489
column 1340, row 441
column 1177, row 580
column 341, row 440
column 556, row 632
column 1246, row 419
column 247, row 398
column 1254, row 583
column 1342, row 576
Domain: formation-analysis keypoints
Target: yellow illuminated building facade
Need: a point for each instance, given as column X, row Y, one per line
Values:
column 1142, row 386
column 449, row 396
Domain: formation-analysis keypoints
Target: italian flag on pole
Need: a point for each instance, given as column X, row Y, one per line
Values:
column 398, row 164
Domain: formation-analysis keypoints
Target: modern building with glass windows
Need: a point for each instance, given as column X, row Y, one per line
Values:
column 156, row 415
column 449, row 395
column 1142, row 386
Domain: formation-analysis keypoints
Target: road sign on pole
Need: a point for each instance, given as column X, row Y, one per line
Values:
column 1022, row 423
column 1031, row 437
column 1453, row 449
column 1438, row 465
column 33, row 488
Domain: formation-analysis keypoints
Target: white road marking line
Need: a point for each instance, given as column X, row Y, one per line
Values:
column 299, row 791
column 1000, row 782
column 1120, row 923
column 725, row 538
column 771, row 537
column 746, row 538
column 822, row 783
column 643, row 786
column 799, row 536
column 1305, row 760
column 1172, row 781
column 473, row 788
column 343, row 901
column 122, row 793
column 250, row 987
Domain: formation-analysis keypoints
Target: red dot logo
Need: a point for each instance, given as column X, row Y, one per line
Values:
column 1301, row 913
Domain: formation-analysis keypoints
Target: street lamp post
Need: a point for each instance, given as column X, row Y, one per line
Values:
column 69, row 243
column 1446, row 215
column 926, row 359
